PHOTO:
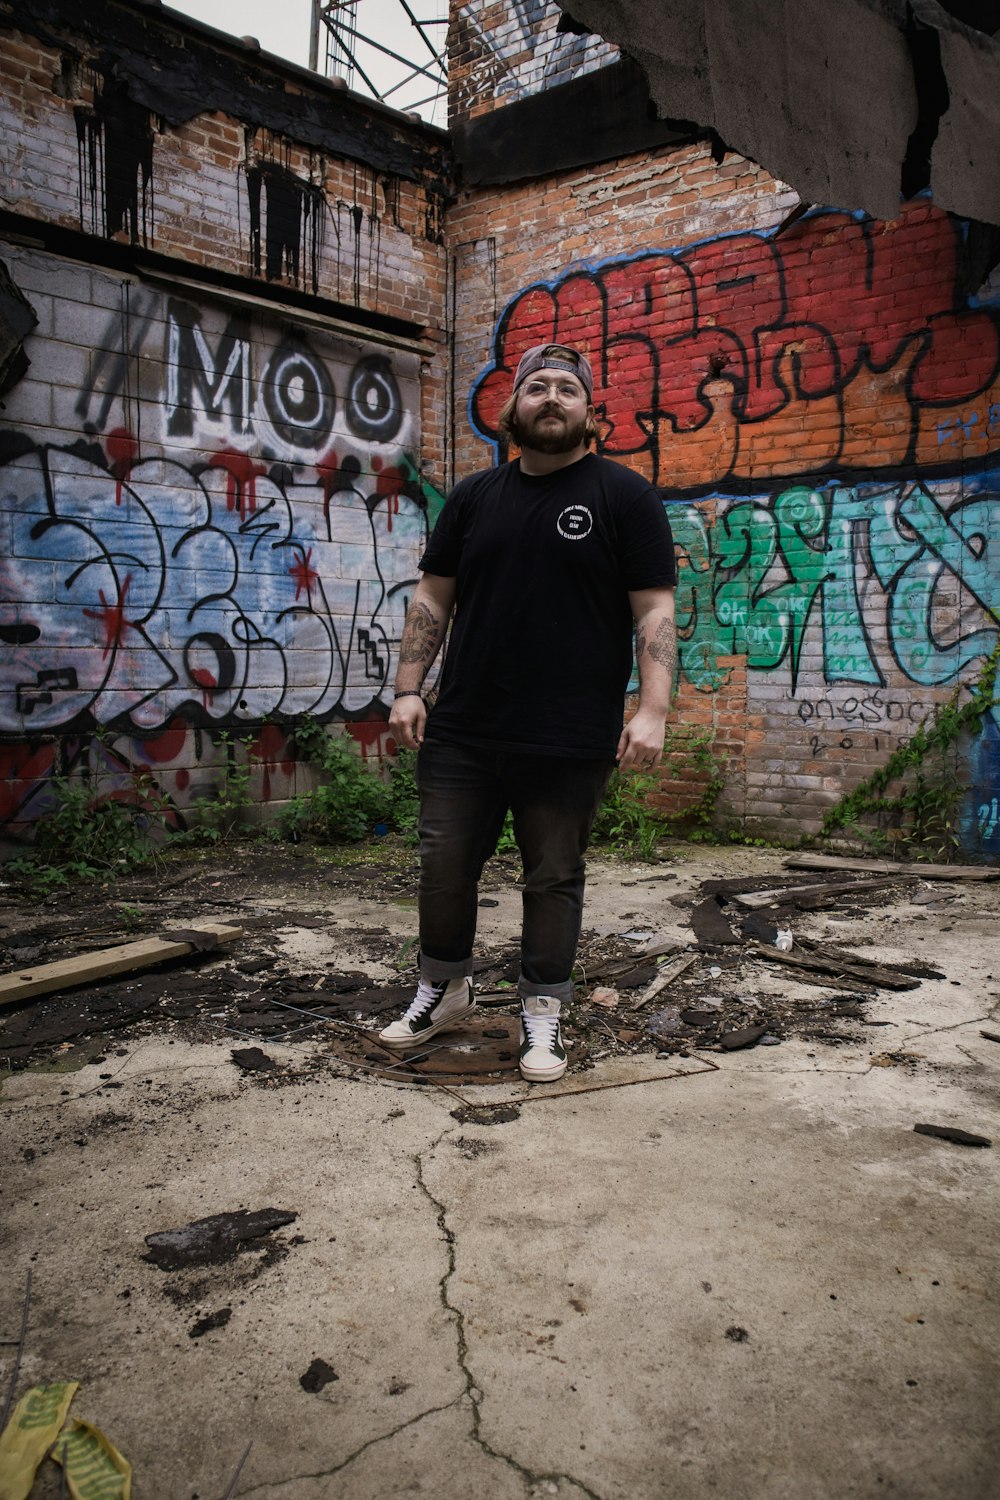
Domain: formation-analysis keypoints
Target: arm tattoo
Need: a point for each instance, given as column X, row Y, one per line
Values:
column 421, row 636
column 662, row 648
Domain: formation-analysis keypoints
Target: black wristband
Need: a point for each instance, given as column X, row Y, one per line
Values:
column 408, row 693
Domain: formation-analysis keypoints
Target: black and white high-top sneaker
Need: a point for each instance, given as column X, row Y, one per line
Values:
column 542, row 1057
column 434, row 1008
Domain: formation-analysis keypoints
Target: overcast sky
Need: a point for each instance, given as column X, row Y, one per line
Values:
column 282, row 27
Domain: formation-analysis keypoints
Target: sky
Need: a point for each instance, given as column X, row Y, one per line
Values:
column 282, row 27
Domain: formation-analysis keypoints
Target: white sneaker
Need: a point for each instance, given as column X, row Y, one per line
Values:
column 435, row 1007
column 542, row 1058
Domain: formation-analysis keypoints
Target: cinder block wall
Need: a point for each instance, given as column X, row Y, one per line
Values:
column 218, row 470
column 818, row 399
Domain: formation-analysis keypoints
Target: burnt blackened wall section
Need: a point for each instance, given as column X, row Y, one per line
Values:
column 115, row 140
column 223, row 438
column 90, row 146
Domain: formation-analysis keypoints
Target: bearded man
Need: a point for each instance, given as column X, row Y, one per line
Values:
column 545, row 566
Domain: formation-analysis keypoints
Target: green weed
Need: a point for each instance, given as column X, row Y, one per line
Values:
column 923, row 812
column 349, row 800
column 221, row 811
column 629, row 820
column 86, row 834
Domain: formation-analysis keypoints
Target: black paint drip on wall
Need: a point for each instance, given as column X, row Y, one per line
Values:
column 115, row 144
column 292, row 208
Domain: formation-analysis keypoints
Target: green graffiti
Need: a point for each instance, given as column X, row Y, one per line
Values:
column 432, row 498
column 750, row 586
column 697, row 633
column 890, row 577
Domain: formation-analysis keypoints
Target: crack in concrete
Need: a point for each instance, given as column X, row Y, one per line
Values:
column 918, row 1036
column 473, row 1392
column 275, row 1485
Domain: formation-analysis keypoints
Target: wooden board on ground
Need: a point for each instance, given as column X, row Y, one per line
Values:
column 85, row 968
column 669, row 973
column 891, row 867
column 890, row 979
column 752, row 900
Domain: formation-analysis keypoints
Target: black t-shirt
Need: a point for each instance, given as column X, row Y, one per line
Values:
column 541, row 645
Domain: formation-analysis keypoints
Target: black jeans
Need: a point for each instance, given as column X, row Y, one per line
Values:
column 465, row 793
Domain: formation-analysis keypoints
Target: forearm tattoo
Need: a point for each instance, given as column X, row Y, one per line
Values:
column 421, row 636
column 661, row 647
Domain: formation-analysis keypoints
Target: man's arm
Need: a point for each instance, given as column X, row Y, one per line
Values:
column 641, row 744
column 423, row 631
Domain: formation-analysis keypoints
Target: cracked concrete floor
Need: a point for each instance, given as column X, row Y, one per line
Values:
column 754, row 1282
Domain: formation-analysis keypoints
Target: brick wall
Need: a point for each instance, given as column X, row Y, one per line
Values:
column 819, row 400
column 499, row 53
column 218, row 472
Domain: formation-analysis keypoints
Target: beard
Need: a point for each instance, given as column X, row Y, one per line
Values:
column 550, row 431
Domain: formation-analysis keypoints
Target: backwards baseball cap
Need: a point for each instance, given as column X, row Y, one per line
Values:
column 556, row 357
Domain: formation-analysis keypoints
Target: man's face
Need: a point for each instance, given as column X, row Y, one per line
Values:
column 551, row 412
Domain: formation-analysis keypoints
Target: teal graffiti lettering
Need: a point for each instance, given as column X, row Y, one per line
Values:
column 952, row 548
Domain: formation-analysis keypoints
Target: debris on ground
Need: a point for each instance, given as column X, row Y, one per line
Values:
column 122, row 959
column 91, row 1463
column 31, row 1431
column 726, row 955
column 210, row 1322
column 950, row 1133
column 747, row 1036
column 892, row 867
column 253, row 1060
column 216, row 1238
column 318, row 1375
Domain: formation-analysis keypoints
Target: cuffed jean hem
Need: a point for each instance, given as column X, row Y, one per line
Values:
column 440, row 970
column 562, row 990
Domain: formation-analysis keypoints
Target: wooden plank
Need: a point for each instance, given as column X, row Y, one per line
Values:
column 891, row 867
column 24, row 984
column 669, row 974
column 754, row 899
column 889, row 979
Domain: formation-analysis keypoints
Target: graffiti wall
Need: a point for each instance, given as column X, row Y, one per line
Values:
column 499, row 54
column 210, row 521
column 821, row 410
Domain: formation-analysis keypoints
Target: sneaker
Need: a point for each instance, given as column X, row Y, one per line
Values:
column 435, row 1007
column 542, row 1058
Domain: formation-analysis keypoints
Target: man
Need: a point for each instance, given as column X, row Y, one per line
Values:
column 548, row 562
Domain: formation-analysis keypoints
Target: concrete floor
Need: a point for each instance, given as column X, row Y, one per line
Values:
column 755, row 1282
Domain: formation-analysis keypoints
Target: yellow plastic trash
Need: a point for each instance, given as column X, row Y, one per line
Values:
column 30, row 1433
column 94, row 1468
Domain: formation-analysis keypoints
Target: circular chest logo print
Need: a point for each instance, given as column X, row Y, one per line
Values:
column 574, row 523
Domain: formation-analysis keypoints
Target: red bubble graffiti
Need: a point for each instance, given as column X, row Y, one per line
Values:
column 843, row 343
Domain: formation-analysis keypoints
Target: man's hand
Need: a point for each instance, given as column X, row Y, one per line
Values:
column 407, row 718
column 641, row 745
column 423, row 631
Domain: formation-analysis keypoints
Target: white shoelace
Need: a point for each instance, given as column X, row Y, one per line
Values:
column 541, row 1031
column 421, row 1002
